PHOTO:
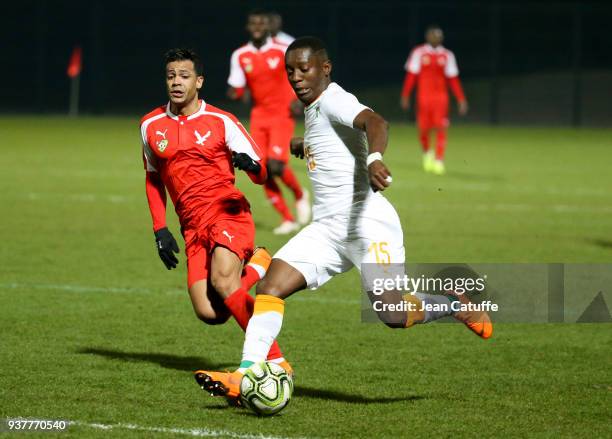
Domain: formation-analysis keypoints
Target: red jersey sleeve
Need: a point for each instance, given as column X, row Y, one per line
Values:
column 156, row 197
column 154, row 186
column 409, row 82
column 455, row 86
column 238, row 140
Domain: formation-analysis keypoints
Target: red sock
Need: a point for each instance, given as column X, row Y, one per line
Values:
column 275, row 196
column 424, row 138
column 440, row 144
column 292, row 182
column 250, row 277
column 240, row 304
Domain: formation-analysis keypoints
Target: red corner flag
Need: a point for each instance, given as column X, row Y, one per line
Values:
column 75, row 63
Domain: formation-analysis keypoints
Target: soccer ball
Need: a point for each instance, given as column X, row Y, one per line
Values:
column 266, row 388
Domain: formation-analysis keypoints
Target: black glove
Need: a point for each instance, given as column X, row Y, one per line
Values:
column 243, row 162
column 166, row 247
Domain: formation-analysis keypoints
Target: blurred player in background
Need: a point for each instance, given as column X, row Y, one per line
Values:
column 353, row 223
column 275, row 21
column 259, row 66
column 190, row 148
column 432, row 68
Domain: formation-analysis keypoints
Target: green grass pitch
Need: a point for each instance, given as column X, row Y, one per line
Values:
column 95, row 330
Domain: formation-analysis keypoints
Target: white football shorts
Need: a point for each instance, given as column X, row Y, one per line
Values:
column 334, row 244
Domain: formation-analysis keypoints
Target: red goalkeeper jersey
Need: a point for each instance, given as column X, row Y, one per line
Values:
column 432, row 70
column 191, row 156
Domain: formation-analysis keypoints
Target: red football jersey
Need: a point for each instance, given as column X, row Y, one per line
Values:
column 433, row 67
column 263, row 72
column 193, row 156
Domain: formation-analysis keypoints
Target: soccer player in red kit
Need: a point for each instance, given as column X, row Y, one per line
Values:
column 190, row 149
column 259, row 66
column 432, row 68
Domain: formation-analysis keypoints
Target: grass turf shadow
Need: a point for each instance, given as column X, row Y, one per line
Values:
column 334, row 395
column 189, row 364
column 602, row 243
column 168, row 361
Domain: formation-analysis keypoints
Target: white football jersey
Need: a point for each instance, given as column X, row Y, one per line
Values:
column 283, row 38
column 336, row 153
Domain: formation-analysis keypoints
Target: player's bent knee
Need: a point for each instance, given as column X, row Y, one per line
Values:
column 212, row 320
column 211, row 316
column 225, row 284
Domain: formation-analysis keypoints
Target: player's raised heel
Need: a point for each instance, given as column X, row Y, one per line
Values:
column 478, row 322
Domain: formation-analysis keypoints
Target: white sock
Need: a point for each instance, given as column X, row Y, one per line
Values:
column 263, row 328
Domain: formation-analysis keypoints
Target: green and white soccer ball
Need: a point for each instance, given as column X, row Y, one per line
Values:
column 266, row 388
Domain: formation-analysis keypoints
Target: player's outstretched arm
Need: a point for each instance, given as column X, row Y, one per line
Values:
column 246, row 155
column 377, row 132
column 253, row 168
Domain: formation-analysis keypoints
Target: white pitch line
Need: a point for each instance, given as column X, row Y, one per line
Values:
column 195, row 432
column 307, row 297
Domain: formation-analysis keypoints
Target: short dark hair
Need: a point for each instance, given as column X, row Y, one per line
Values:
column 258, row 11
column 316, row 45
column 182, row 54
column 432, row 27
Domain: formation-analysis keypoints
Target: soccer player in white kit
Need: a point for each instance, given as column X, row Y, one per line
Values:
column 353, row 224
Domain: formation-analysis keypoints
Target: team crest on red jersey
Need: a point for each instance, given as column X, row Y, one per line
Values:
column 248, row 64
column 426, row 60
column 162, row 144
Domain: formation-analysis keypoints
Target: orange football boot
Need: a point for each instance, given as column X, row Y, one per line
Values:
column 227, row 383
column 478, row 322
column 220, row 383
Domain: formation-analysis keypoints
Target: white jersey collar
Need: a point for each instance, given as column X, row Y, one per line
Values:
column 331, row 85
column 431, row 48
column 264, row 47
column 191, row 116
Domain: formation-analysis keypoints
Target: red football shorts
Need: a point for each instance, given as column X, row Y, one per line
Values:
column 432, row 113
column 273, row 135
column 235, row 231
